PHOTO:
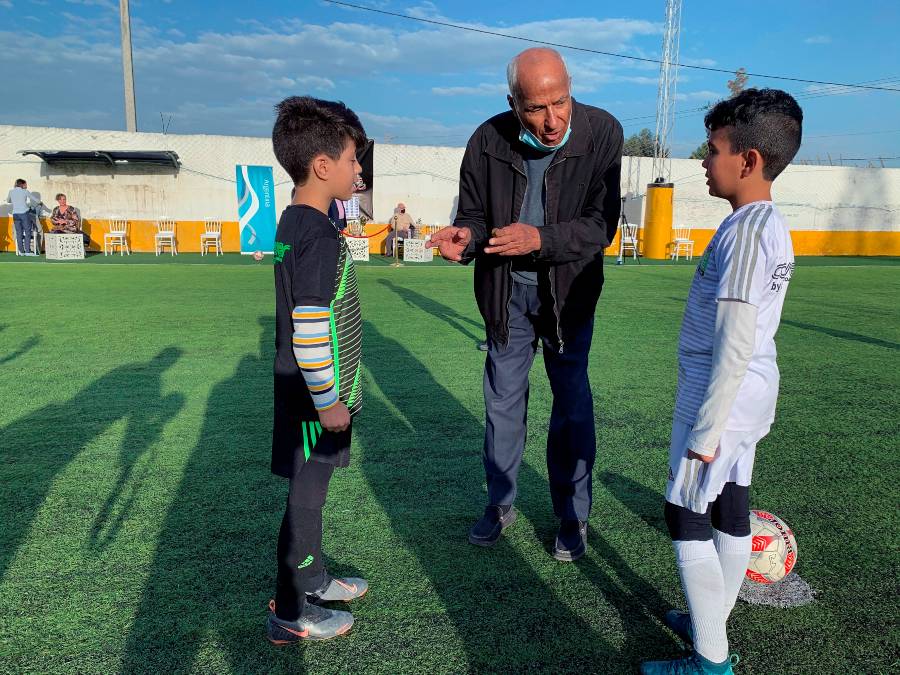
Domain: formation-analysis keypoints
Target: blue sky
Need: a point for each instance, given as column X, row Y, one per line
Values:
column 219, row 67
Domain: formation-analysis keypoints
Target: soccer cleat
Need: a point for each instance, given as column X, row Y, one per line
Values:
column 680, row 623
column 571, row 540
column 693, row 664
column 487, row 531
column 316, row 623
column 339, row 590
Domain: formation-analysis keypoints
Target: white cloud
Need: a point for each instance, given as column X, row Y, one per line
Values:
column 818, row 40
column 704, row 95
column 478, row 90
column 201, row 77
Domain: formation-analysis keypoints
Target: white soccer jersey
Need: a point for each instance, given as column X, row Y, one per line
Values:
column 750, row 258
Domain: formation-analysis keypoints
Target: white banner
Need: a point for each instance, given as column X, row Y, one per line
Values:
column 414, row 250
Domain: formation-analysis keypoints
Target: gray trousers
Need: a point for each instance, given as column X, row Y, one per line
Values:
column 24, row 227
column 571, row 438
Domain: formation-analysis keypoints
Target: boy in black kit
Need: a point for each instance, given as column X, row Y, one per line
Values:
column 318, row 332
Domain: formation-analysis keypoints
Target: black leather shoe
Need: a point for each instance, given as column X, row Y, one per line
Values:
column 571, row 540
column 487, row 531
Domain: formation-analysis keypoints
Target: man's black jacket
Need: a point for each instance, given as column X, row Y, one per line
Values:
column 581, row 213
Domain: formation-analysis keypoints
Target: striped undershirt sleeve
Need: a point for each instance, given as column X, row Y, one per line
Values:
column 312, row 349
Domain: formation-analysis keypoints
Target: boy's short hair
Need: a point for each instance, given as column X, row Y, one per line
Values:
column 20, row 182
column 306, row 127
column 766, row 120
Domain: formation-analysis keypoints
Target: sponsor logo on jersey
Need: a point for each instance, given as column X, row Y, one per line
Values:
column 280, row 250
column 781, row 276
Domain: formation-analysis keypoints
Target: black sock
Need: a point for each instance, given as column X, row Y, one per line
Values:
column 300, row 566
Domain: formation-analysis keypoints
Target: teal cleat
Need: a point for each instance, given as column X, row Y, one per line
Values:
column 680, row 624
column 693, row 664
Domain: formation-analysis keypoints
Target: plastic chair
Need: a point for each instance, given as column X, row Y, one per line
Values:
column 628, row 240
column 165, row 236
column 211, row 236
column 682, row 244
column 116, row 236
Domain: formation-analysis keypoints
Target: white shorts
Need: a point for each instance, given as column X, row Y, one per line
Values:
column 694, row 484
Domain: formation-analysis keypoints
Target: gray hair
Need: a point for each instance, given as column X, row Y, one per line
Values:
column 512, row 73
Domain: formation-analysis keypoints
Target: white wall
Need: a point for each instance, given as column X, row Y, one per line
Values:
column 424, row 177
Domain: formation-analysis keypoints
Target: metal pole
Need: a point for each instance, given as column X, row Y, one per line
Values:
column 396, row 243
column 127, row 68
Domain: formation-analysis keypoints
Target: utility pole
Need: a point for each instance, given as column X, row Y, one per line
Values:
column 665, row 96
column 127, row 68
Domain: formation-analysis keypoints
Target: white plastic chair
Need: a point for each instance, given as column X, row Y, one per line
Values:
column 682, row 244
column 117, row 236
column 628, row 240
column 211, row 236
column 165, row 235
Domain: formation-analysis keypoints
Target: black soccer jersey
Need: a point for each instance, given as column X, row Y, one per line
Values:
column 315, row 282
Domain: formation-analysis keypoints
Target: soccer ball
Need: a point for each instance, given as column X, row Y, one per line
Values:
column 257, row 255
column 774, row 549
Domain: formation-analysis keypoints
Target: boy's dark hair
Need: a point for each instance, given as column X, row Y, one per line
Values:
column 20, row 182
column 766, row 120
column 306, row 127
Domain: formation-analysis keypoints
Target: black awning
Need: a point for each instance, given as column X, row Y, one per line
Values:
column 108, row 157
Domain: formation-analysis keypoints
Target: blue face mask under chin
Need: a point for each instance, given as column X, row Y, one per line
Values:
column 533, row 141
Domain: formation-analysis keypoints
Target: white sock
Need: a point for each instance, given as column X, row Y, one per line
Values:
column 704, row 588
column 734, row 555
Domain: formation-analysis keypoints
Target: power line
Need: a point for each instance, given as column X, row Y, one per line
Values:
column 483, row 31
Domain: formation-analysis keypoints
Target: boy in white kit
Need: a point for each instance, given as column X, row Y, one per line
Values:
column 727, row 375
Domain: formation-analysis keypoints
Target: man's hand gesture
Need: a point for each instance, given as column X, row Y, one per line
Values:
column 514, row 239
column 452, row 241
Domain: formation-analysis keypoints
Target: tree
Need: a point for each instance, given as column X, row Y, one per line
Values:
column 701, row 152
column 641, row 144
column 739, row 83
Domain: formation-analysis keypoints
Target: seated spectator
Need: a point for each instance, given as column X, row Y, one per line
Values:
column 400, row 224
column 66, row 219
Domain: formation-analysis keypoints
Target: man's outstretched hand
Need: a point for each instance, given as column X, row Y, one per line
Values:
column 452, row 241
column 514, row 239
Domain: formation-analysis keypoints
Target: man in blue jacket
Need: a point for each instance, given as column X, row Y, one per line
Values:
column 538, row 202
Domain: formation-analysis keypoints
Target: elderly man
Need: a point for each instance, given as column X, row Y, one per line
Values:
column 538, row 203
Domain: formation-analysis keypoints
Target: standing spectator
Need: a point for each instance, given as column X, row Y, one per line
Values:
column 23, row 221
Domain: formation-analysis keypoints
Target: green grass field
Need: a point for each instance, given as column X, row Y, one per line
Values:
column 138, row 516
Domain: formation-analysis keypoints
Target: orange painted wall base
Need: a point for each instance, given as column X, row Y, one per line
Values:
column 140, row 235
column 811, row 242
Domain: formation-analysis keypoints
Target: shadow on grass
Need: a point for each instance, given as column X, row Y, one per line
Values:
column 428, row 478
column 26, row 347
column 451, row 317
column 206, row 589
column 641, row 501
column 36, row 448
column 842, row 334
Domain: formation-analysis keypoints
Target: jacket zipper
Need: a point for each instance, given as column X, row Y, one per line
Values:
column 549, row 271
column 509, row 299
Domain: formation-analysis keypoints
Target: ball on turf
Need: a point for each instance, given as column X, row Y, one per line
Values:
column 257, row 255
column 774, row 549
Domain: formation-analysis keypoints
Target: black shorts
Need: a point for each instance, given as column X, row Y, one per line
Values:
column 287, row 445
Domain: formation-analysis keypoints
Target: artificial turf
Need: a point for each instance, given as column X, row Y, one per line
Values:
column 138, row 516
